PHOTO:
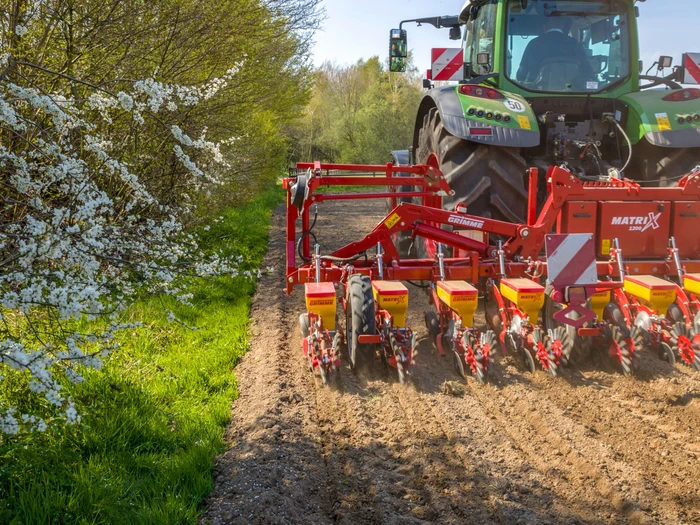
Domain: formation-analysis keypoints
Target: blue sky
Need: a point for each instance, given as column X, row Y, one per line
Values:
column 356, row 29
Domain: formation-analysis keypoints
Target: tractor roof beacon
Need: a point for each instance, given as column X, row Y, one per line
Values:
column 551, row 82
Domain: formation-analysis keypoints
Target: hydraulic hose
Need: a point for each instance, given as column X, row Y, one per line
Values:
column 304, row 235
column 629, row 143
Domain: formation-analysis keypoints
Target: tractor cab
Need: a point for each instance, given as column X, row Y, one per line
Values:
column 567, row 46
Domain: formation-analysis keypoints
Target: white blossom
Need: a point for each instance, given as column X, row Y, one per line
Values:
column 82, row 248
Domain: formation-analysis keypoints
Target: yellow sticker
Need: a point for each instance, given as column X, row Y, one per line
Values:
column 605, row 248
column 391, row 221
column 663, row 121
column 524, row 122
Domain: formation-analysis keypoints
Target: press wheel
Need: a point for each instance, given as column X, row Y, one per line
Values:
column 666, row 354
column 459, row 365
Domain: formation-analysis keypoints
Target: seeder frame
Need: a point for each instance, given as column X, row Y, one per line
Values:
column 477, row 262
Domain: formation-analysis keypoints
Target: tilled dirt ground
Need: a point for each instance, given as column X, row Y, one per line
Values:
column 586, row 447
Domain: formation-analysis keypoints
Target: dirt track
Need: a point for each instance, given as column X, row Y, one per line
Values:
column 587, row 447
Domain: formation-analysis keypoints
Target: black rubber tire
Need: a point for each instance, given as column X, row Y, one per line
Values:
column 458, row 364
column 432, row 324
column 666, row 354
column 402, row 240
column 360, row 320
column 528, row 361
column 304, row 325
column 489, row 180
column 653, row 164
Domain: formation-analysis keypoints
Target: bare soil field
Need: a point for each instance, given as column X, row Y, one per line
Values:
column 588, row 447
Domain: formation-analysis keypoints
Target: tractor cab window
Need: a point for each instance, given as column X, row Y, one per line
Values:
column 480, row 37
column 579, row 46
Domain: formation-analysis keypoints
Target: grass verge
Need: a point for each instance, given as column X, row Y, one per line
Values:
column 156, row 413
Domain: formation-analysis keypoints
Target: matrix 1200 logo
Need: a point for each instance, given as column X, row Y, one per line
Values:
column 639, row 224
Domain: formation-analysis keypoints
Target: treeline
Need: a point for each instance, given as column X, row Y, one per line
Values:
column 76, row 48
column 357, row 114
column 123, row 127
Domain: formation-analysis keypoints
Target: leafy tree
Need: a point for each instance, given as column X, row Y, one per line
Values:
column 358, row 114
column 120, row 122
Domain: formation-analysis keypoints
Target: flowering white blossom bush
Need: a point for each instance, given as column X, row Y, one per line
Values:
column 80, row 233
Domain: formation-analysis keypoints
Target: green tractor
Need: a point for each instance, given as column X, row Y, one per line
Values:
column 550, row 82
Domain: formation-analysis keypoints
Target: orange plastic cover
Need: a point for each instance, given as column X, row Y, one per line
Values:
column 389, row 288
column 523, row 285
column 458, row 288
column 650, row 282
column 319, row 289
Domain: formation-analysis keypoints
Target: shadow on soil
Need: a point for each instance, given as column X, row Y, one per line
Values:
column 376, row 484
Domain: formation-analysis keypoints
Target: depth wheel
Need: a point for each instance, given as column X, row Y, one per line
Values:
column 304, row 325
column 360, row 320
column 459, row 365
column 528, row 361
column 666, row 354
column 432, row 324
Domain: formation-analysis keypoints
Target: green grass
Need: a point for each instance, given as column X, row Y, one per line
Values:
column 154, row 417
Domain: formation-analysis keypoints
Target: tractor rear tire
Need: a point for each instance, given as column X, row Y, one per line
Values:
column 402, row 239
column 661, row 166
column 360, row 320
column 488, row 180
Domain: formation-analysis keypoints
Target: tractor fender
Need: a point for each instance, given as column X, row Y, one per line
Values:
column 521, row 132
column 659, row 121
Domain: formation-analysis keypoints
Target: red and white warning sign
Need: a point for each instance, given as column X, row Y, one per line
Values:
column 448, row 64
column 691, row 64
column 571, row 260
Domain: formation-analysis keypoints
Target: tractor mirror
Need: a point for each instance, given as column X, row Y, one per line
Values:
column 455, row 33
column 665, row 62
column 398, row 50
column 482, row 59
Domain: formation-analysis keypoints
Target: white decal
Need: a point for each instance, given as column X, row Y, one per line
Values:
column 591, row 85
column 469, row 223
column 639, row 224
column 514, row 105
